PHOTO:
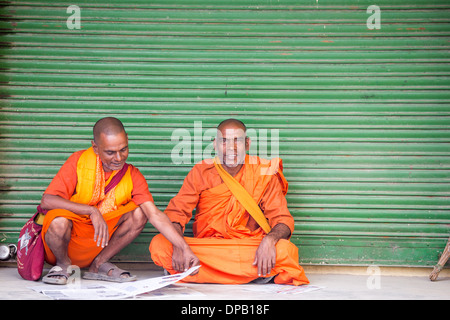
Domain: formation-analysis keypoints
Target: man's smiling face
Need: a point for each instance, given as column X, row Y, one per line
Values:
column 231, row 145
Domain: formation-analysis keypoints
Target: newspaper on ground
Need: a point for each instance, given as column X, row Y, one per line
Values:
column 174, row 291
column 108, row 290
column 282, row 289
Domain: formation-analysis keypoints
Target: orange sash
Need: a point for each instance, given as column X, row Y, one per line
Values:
column 243, row 197
column 221, row 215
column 91, row 184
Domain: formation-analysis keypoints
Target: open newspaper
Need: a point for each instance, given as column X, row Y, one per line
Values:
column 108, row 290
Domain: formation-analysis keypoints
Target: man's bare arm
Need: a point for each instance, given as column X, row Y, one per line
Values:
column 50, row 201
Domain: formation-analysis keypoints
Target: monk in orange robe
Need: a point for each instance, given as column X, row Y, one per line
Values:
column 95, row 206
column 232, row 247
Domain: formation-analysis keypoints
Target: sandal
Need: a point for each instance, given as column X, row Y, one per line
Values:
column 55, row 272
column 103, row 274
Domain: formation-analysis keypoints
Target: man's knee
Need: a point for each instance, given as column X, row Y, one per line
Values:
column 286, row 250
column 139, row 218
column 136, row 219
column 60, row 227
column 160, row 249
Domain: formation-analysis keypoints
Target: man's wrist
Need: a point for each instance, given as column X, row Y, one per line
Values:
column 92, row 210
column 273, row 237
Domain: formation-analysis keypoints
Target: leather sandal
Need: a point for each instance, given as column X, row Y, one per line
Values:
column 109, row 272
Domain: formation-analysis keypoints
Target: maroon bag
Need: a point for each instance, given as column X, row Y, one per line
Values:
column 30, row 249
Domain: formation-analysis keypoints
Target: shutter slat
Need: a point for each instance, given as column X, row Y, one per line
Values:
column 362, row 115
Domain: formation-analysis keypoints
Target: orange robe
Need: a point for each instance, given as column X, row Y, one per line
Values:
column 81, row 179
column 226, row 237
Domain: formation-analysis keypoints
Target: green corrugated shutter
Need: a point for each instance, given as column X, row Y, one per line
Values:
column 363, row 114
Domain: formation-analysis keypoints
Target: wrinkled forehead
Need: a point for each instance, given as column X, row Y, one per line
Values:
column 231, row 132
column 112, row 141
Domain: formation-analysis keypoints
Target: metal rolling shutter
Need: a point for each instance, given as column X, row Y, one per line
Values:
column 363, row 115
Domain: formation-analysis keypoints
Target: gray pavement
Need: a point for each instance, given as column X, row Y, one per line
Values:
column 338, row 283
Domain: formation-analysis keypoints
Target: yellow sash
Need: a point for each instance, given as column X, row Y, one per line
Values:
column 242, row 195
column 91, row 184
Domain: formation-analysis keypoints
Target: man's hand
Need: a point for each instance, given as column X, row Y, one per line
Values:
column 184, row 259
column 266, row 254
column 101, row 234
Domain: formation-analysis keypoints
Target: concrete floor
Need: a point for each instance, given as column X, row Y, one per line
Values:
column 339, row 283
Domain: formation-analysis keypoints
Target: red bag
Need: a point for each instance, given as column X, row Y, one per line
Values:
column 30, row 250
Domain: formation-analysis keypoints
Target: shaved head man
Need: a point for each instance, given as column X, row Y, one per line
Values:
column 96, row 205
column 233, row 245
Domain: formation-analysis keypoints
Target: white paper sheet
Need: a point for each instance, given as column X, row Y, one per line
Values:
column 110, row 290
column 282, row 289
column 174, row 291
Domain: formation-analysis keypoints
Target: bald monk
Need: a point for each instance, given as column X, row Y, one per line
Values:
column 232, row 247
column 95, row 206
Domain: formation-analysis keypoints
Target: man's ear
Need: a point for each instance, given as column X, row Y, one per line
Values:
column 248, row 141
column 214, row 144
column 94, row 146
